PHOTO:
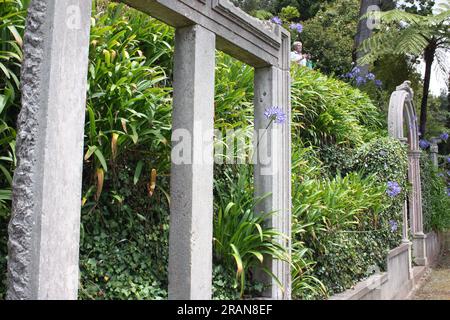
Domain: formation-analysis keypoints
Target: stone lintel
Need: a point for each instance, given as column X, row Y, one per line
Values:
column 238, row 34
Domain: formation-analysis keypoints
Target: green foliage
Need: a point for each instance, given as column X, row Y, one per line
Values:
column 393, row 70
column 124, row 235
column 438, row 115
column 342, row 216
column 385, row 157
column 289, row 13
column 408, row 34
column 329, row 36
column 351, row 257
column 422, row 7
column 328, row 111
column 435, row 200
column 386, row 160
column 240, row 240
column 262, row 14
column 222, row 288
column 253, row 5
column 307, row 8
column 127, row 97
column 124, row 243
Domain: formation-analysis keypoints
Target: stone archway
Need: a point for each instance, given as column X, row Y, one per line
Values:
column 45, row 222
column 402, row 114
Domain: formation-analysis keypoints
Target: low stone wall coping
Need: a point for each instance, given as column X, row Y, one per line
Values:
column 398, row 250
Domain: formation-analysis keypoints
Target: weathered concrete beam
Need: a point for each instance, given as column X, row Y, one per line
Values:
column 244, row 37
column 45, row 223
column 191, row 180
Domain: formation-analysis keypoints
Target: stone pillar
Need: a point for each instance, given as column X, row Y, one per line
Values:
column 272, row 168
column 434, row 151
column 405, row 223
column 45, row 223
column 405, row 238
column 415, row 207
column 191, row 181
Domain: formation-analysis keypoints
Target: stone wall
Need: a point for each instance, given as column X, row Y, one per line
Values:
column 395, row 283
column 434, row 243
column 400, row 278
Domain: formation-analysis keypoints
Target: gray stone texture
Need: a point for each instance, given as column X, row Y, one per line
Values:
column 191, row 184
column 250, row 40
column 272, row 175
column 434, row 151
column 44, row 228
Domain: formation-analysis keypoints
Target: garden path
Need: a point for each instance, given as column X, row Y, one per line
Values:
column 437, row 285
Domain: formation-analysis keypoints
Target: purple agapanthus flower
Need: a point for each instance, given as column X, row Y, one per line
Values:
column 448, row 159
column 356, row 70
column 444, row 136
column 275, row 114
column 276, row 20
column 394, row 225
column 297, row 27
column 393, row 189
column 378, row 83
column 424, row 144
column 370, row 76
column 360, row 80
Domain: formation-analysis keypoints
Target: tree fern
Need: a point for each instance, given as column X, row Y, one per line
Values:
column 410, row 34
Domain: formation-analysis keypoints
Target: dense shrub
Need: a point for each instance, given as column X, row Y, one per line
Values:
column 240, row 239
column 386, row 159
column 328, row 111
column 435, row 195
column 348, row 221
column 124, row 234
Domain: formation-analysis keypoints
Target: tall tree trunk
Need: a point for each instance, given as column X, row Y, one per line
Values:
column 363, row 32
column 429, row 58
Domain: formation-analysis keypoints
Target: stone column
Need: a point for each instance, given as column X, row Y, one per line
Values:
column 415, row 207
column 191, row 182
column 272, row 168
column 434, row 151
column 45, row 223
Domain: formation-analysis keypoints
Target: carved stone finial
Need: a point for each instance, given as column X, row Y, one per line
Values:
column 406, row 86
